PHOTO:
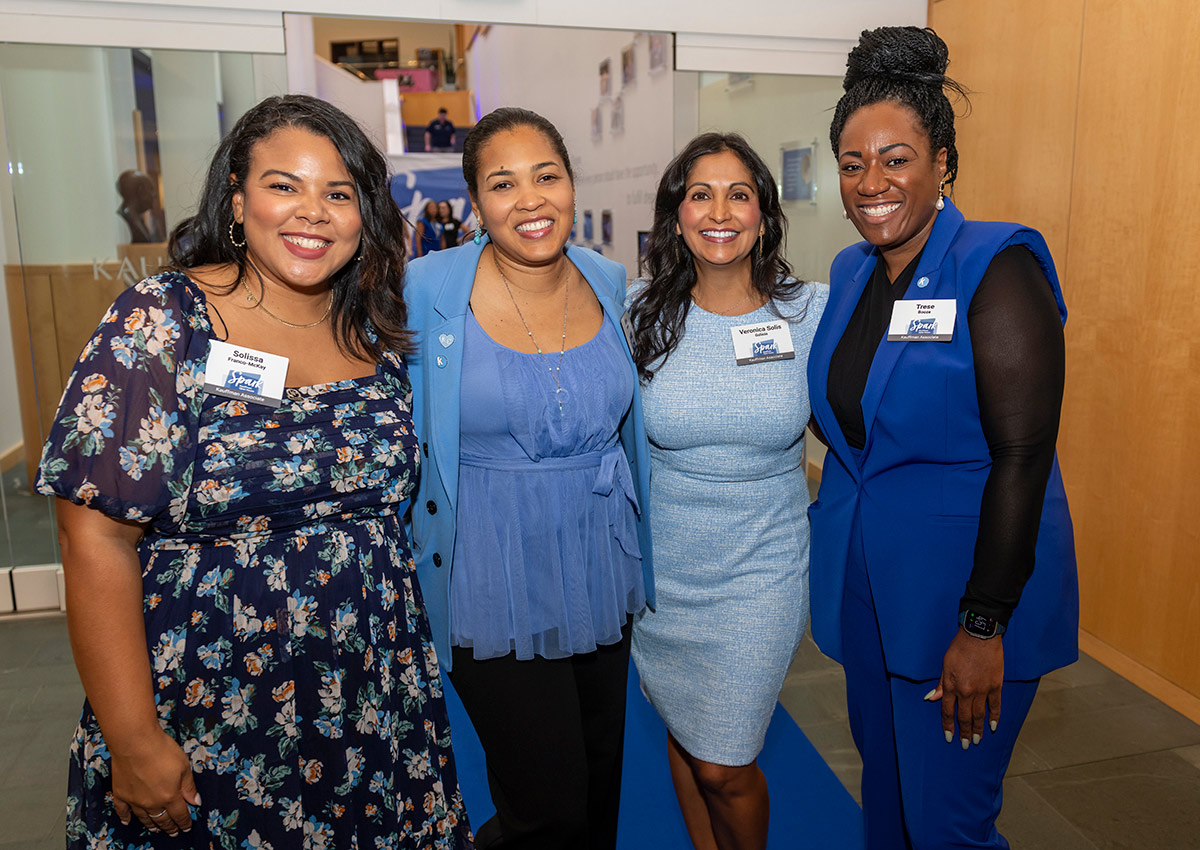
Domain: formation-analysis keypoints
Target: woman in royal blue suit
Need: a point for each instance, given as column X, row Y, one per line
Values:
column 529, row 526
column 943, row 566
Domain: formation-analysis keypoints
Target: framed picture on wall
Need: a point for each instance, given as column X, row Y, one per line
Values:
column 616, row 121
column 658, row 52
column 589, row 232
column 597, row 123
column 798, row 172
column 643, row 241
column 605, row 78
column 606, row 225
column 628, row 66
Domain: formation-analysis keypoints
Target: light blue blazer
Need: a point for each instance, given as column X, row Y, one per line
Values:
column 437, row 290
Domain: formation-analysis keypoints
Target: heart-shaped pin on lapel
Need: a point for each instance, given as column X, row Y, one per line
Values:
column 446, row 340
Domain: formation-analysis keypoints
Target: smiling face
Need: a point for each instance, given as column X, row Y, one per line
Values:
column 720, row 218
column 525, row 197
column 299, row 207
column 889, row 180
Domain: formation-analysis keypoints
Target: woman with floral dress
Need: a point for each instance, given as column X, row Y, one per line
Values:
column 229, row 456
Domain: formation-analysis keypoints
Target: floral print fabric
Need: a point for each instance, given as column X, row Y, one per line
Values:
column 286, row 634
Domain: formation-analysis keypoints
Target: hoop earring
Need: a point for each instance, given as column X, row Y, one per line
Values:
column 235, row 243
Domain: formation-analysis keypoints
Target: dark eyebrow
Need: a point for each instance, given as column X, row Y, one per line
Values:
column 508, row 172
column 882, row 150
column 691, row 186
column 296, row 179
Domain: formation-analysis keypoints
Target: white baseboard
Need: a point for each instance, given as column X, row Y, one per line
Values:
column 36, row 588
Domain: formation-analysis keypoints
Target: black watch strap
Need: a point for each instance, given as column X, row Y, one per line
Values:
column 979, row 626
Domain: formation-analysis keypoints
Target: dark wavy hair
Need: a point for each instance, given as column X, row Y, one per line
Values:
column 365, row 291
column 659, row 311
column 906, row 65
column 504, row 119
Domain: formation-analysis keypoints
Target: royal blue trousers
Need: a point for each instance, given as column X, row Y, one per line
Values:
column 918, row 792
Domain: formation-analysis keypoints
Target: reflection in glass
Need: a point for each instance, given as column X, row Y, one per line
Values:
column 104, row 150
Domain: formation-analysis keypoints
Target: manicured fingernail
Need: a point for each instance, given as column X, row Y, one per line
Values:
column 994, row 724
column 949, row 737
column 976, row 738
column 929, row 695
column 197, row 798
column 187, row 829
column 966, row 742
column 124, row 822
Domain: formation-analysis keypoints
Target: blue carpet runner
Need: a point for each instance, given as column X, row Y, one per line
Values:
column 810, row 809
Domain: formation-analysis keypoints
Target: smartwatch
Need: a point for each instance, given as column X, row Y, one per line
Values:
column 979, row 626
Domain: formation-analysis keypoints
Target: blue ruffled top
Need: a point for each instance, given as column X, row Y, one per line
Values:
column 546, row 558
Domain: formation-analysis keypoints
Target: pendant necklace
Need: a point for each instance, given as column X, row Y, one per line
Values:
column 560, row 393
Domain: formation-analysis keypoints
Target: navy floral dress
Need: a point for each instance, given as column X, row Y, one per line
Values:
column 287, row 638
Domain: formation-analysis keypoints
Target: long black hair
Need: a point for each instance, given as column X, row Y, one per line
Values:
column 367, row 290
column 659, row 311
column 906, row 65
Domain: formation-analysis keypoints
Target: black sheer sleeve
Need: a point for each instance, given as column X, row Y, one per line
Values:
column 1018, row 349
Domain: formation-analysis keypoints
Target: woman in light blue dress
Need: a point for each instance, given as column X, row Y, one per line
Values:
column 721, row 337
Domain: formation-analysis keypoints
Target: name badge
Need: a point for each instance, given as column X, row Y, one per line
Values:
column 761, row 342
column 923, row 321
column 235, row 371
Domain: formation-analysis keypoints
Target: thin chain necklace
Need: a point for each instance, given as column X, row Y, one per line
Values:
column 728, row 310
column 258, row 303
column 560, row 394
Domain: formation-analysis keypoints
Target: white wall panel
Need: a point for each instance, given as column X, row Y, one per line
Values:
column 256, row 25
column 250, row 27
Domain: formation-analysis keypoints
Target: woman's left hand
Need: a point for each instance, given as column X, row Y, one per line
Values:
column 972, row 675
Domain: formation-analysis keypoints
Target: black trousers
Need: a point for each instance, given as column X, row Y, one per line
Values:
column 553, row 732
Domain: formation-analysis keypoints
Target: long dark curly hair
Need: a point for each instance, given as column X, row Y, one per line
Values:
column 906, row 65
column 659, row 311
column 365, row 291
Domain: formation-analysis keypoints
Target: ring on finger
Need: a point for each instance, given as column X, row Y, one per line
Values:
column 154, row 815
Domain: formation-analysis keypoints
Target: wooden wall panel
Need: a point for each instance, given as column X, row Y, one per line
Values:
column 1014, row 148
column 1130, row 433
column 1085, row 116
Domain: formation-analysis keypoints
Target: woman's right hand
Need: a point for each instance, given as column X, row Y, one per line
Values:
column 152, row 781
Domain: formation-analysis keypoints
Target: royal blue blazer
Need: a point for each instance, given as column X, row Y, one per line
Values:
column 916, row 488
column 437, row 291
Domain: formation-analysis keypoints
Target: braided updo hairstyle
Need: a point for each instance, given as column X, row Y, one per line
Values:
column 906, row 65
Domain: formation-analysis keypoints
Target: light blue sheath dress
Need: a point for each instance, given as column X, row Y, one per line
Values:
column 728, row 515
column 546, row 557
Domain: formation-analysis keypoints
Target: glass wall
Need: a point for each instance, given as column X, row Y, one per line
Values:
column 102, row 151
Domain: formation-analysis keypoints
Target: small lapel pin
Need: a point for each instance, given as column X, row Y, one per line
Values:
column 922, row 283
column 446, row 340
column 441, row 361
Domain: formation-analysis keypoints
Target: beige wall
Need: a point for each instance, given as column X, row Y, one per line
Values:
column 1083, row 126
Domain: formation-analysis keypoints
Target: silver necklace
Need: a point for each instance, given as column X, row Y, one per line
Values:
column 560, row 394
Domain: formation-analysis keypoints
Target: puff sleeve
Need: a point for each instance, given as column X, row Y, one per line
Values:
column 123, row 440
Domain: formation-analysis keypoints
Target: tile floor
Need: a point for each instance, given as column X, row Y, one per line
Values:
column 1100, row 765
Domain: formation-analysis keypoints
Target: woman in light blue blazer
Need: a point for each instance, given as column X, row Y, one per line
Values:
column 529, row 525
